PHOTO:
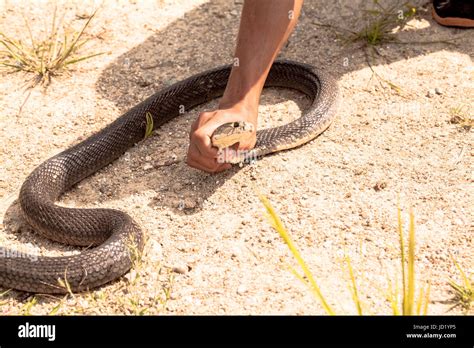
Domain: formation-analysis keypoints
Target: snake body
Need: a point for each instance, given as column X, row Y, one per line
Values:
column 112, row 237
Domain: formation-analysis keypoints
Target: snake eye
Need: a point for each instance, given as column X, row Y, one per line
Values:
column 236, row 125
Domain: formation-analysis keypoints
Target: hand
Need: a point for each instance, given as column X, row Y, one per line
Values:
column 201, row 154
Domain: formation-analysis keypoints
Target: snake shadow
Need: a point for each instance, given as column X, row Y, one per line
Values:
column 204, row 38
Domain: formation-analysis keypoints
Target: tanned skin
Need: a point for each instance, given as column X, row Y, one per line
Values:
column 265, row 26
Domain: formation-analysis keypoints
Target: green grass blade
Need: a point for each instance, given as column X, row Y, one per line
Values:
column 149, row 125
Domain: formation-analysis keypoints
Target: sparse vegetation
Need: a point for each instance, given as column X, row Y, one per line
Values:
column 409, row 305
column 3, row 293
column 47, row 57
column 26, row 309
column 278, row 226
column 380, row 23
column 463, row 292
column 460, row 116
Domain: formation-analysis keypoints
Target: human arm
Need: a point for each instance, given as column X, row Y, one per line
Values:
column 264, row 28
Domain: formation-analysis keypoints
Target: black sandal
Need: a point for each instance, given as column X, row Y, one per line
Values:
column 454, row 13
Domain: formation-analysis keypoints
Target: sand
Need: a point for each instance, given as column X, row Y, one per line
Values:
column 210, row 248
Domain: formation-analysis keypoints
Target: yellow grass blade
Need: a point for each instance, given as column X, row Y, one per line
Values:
column 427, row 299
column 149, row 125
column 353, row 287
column 419, row 301
column 411, row 266
column 465, row 279
column 69, row 50
column 76, row 60
column 402, row 257
column 393, row 297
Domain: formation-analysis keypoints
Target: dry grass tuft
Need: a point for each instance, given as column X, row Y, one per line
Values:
column 47, row 57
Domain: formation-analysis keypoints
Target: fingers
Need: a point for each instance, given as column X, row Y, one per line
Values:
column 201, row 154
column 210, row 165
column 202, row 140
column 210, row 168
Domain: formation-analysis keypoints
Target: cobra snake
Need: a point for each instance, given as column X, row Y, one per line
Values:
column 112, row 238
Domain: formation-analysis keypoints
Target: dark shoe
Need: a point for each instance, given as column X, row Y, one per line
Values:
column 454, row 13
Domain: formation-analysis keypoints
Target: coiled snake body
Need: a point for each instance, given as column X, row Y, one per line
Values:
column 113, row 238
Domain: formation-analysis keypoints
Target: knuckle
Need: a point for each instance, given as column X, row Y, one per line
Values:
column 196, row 136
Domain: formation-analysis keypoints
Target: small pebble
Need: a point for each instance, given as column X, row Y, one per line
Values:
column 438, row 91
column 431, row 93
column 180, row 269
column 242, row 289
column 131, row 276
column 147, row 166
column 380, row 186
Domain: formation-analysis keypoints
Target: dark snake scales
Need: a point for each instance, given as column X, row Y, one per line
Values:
column 113, row 238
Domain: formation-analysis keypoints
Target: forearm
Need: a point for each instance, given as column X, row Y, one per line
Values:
column 264, row 28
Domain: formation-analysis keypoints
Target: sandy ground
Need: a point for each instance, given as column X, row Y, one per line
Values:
column 210, row 249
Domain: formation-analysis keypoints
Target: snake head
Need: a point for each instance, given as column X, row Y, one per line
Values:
column 231, row 133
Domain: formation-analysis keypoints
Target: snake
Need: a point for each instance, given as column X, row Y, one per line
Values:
column 111, row 240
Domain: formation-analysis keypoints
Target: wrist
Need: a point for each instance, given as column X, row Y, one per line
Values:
column 247, row 109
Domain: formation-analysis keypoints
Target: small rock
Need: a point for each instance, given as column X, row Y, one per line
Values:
column 189, row 203
column 431, row 93
column 380, row 186
column 131, row 276
column 180, row 269
column 438, row 91
column 147, row 166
